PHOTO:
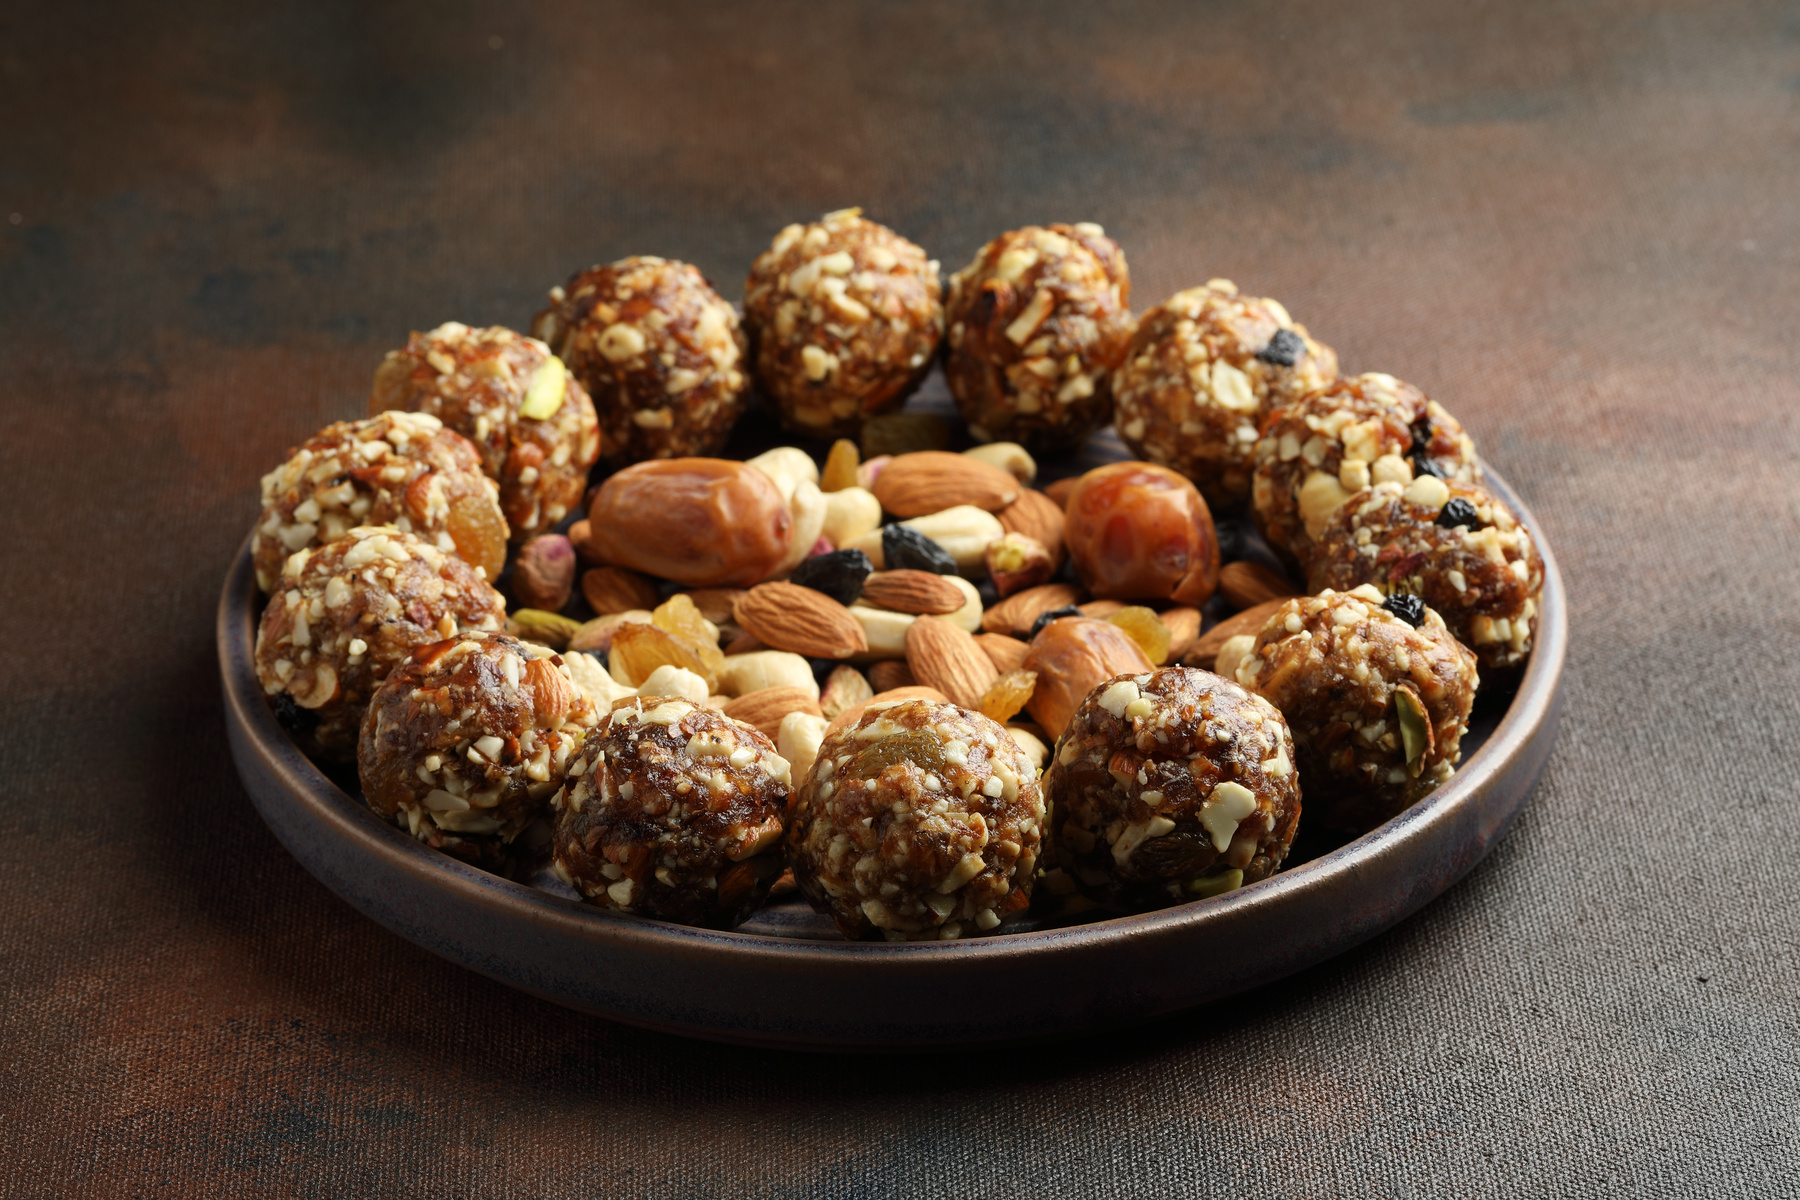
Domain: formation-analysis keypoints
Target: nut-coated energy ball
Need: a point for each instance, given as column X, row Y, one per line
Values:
column 1172, row 785
column 1320, row 450
column 844, row 318
column 1377, row 707
column 398, row 468
column 1037, row 322
column 673, row 811
column 1205, row 366
column 465, row 742
column 1455, row 546
column 343, row 615
column 658, row 350
column 528, row 416
column 1137, row 531
column 920, row 819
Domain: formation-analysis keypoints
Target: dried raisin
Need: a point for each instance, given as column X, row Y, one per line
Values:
column 904, row 548
column 839, row 574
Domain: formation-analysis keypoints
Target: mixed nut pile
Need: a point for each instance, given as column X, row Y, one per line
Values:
column 898, row 678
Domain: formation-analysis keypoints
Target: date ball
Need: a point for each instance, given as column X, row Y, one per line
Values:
column 844, row 318
column 1172, row 785
column 1137, row 531
column 465, row 741
column 344, row 615
column 398, row 468
column 1320, row 450
column 920, row 819
column 673, row 811
column 1037, row 322
column 659, row 351
column 1455, row 546
column 1377, row 706
column 528, row 417
column 1204, row 367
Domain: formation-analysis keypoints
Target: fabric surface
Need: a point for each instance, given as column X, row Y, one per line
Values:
column 1576, row 226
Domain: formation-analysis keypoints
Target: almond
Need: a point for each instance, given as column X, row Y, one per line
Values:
column 1206, row 650
column 1036, row 516
column 1184, row 626
column 1100, row 609
column 798, row 619
column 890, row 674
column 911, row 591
column 929, row 481
column 765, row 709
column 744, row 643
column 578, row 538
column 1015, row 614
column 615, row 589
column 1059, row 491
column 1247, row 584
column 844, row 687
column 1006, row 652
column 891, row 696
column 551, row 692
column 945, row 657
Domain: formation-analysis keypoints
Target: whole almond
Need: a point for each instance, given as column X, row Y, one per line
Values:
column 578, row 538
column 1206, row 650
column 929, row 481
column 765, row 709
column 1059, row 491
column 910, row 591
column 615, row 589
column 891, row 696
column 1183, row 624
column 1006, row 652
column 1100, row 609
column 551, row 693
column 889, row 674
column 1247, row 584
column 1015, row 614
column 1036, row 516
column 945, row 657
column 798, row 619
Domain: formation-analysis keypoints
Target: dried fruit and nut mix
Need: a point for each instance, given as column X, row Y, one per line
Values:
column 842, row 671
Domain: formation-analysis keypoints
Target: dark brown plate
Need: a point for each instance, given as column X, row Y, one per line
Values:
column 779, row 982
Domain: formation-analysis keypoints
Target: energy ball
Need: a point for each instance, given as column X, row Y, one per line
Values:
column 466, row 740
column 673, row 811
column 398, row 468
column 1037, row 323
column 920, row 819
column 659, row 351
column 1204, row 367
column 529, row 418
column 1377, row 706
column 844, row 318
column 344, row 615
column 1455, row 546
column 1320, row 450
column 1170, row 786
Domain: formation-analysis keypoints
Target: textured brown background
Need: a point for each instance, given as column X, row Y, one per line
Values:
column 1577, row 227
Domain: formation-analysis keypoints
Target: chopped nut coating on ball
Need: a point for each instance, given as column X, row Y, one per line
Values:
column 1377, row 707
column 673, row 811
column 1454, row 545
column 528, row 416
column 844, row 317
column 920, row 819
column 465, row 742
column 1320, row 450
column 345, row 614
column 658, row 350
column 1037, row 322
column 398, row 468
column 1171, row 785
column 1205, row 366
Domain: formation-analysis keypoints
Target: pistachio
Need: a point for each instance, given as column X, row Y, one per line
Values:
column 545, row 628
column 1415, row 729
column 548, row 387
column 1216, row 884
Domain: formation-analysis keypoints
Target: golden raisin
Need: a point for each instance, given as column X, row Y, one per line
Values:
column 1009, row 695
column 638, row 649
column 1146, row 629
column 840, row 466
column 680, row 617
column 479, row 531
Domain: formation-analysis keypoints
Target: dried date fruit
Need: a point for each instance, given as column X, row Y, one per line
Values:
column 839, row 574
column 906, row 549
column 1137, row 531
column 703, row 522
column 1071, row 656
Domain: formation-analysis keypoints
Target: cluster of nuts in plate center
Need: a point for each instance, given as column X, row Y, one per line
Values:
column 550, row 624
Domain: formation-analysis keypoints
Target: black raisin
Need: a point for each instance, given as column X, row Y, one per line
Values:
column 1284, row 349
column 839, row 574
column 906, row 549
column 1044, row 618
column 1407, row 607
column 1459, row 512
column 293, row 718
column 1424, row 465
column 1231, row 541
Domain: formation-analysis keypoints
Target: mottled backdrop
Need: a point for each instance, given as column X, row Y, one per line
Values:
column 1577, row 226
